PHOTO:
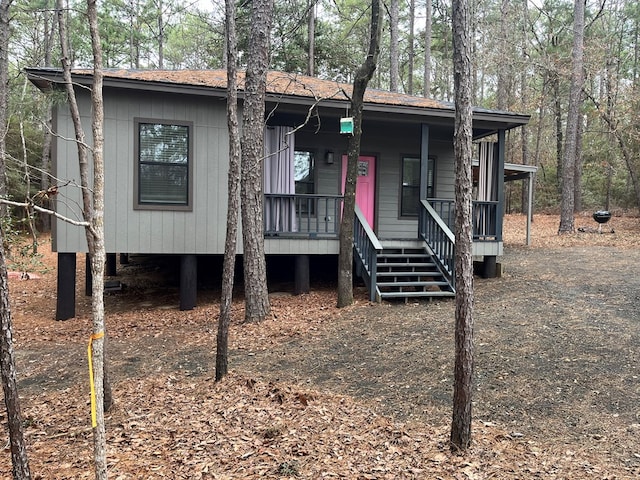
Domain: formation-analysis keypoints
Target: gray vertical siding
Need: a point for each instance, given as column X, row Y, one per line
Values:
column 148, row 231
column 202, row 230
column 445, row 173
column 392, row 144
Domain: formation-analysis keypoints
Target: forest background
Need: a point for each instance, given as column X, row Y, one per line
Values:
column 521, row 63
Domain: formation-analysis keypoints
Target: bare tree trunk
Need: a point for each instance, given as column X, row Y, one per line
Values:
column 19, row 459
column 93, row 213
column 502, row 93
column 557, row 110
column 577, row 168
column 573, row 117
column 5, row 32
column 98, row 255
column 255, row 271
column 360, row 82
column 464, row 361
column 393, row 47
column 427, row 49
column 233, row 205
column 44, row 221
column 160, row 35
column 312, row 38
column 524, row 89
column 411, row 55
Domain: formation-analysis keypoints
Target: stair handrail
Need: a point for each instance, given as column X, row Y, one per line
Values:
column 440, row 239
column 366, row 246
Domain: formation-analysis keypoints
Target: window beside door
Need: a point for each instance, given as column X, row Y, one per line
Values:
column 410, row 185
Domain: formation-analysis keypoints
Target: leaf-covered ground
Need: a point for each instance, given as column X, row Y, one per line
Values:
column 362, row 392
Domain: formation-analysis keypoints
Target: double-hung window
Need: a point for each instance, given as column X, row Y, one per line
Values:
column 410, row 186
column 163, row 157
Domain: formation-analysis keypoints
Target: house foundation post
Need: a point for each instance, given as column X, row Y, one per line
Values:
column 66, row 301
column 188, row 281
column 489, row 266
column 111, row 265
column 301, row 284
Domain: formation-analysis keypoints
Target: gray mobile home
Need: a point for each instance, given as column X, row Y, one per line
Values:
column 166, row 161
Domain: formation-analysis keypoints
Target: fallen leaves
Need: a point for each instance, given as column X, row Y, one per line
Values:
column 172, row 421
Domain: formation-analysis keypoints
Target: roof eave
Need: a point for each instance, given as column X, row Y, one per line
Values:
column 44, row 78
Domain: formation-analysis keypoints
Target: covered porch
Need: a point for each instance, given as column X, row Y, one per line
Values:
column 417, row 258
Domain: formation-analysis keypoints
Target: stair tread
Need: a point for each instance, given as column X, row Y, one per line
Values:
column 413, row 284
column 422, row 273
column 406, row 264
column 440, row 293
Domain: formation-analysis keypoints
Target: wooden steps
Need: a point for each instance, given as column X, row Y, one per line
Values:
column 404, row 273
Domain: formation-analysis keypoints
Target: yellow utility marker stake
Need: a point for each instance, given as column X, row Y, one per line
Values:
column 95, row 336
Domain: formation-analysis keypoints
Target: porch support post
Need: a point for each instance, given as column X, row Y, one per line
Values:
column 88, row 276
column 489, row 266
column 188, row 281
column 529, row 208
column 424, row 168
column 111, row 265
column 301, row 283
column 66, row 301
column 499, row 179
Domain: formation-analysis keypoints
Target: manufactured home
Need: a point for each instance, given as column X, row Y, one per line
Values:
column 166, row 162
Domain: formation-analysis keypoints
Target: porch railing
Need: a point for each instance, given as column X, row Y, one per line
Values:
column 436, row 233
column 485, row 218
column 302, row 215
column 366, row 247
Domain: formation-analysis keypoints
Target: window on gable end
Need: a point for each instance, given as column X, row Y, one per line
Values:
column 164, row 163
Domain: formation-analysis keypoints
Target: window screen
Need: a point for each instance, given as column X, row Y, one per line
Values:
column 163, row 164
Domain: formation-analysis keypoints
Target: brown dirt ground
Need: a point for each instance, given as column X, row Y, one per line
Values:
column 363, row 392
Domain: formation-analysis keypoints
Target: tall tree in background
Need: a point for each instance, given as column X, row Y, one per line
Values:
column 311, row 36
column 93, row 213
column 19, row 460
column 464, row 363
column 502, row 92
column 426, row 88
column 360, row 82
column 411, row 50
column 5, row 32
column 573, row 117
column 45, row 165
column 394, row 46
column 233, row 195
column 255, row 271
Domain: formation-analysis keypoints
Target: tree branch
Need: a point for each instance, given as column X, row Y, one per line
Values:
column 40, row 209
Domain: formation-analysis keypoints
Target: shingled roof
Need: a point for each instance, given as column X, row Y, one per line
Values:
column 278, row 83
column 281, row 86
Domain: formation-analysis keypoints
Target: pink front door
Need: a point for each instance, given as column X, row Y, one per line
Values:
column 365, row 185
